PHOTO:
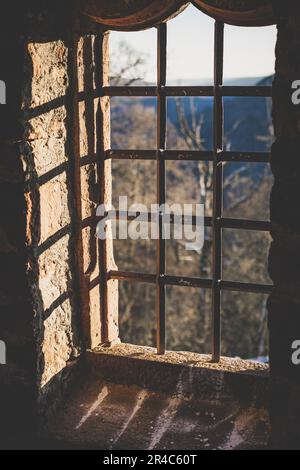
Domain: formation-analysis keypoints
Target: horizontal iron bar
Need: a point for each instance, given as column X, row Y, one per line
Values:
column 261, row 91
column 130, row 276
column 130, row 91
column 152, row 91
column 176, row 91
column 189, row 155
column 241, row 224
column 153, row 217
column 233, row 91
column 226, row 223
column 191, row 282
column 167, row 280
column 246, row 287
column 187, row 282
column 143, row 217
column 172, row 91
column 245, row 157
column 132, row 154
column 172, row 155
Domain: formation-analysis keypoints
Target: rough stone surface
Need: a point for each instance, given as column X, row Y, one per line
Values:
column 94, row 115
column 50, row 182
column 231, row 379
column 40, row 308
column 46, row 157
column 176, row 411
column 182, row 358
column 108, row 416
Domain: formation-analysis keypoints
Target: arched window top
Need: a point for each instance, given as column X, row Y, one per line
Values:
column 141, row 14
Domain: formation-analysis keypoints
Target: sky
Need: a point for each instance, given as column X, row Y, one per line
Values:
column 249, row 52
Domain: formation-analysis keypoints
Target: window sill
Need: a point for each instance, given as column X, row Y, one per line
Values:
column 190, row 373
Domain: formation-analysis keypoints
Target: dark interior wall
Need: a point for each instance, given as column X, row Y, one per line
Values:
column 284, row 258
column 284, row 266
column 17, row 389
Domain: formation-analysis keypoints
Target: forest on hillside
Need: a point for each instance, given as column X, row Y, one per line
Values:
column 246, row 195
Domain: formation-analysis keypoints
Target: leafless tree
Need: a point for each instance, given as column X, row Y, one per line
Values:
column 127, row 65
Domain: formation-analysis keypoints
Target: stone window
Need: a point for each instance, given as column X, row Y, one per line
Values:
column 59, row 285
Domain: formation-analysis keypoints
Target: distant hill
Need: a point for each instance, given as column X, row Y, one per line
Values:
column 247, row 127
column 242, row 81
column 247, row 120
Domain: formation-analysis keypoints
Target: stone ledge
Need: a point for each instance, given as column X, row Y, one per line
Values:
column 182, row 373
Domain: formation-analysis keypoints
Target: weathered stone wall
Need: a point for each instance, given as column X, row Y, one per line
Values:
column 284, row 304
column 47, row 157
column 47, row 258
column 96, row 188
column 88, row 110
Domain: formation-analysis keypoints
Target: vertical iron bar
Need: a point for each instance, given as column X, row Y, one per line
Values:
column 161, row 185
column 218, row 190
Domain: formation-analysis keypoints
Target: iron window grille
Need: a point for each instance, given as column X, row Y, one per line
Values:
column 218, row 156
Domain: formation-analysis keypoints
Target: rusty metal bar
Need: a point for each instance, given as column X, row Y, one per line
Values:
column 131, row 154
column 144, row 91
column 217, row 192
column 236, row 224
column 191, row 282
column 133, row 277
column 167, row 280
column 246, row 157
column 190, row 155
column 130, row 91
column 246, row 287
column 177, row 91
column 182, row 281
column 161, row 185
column 251, row 91
column 241, row 224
